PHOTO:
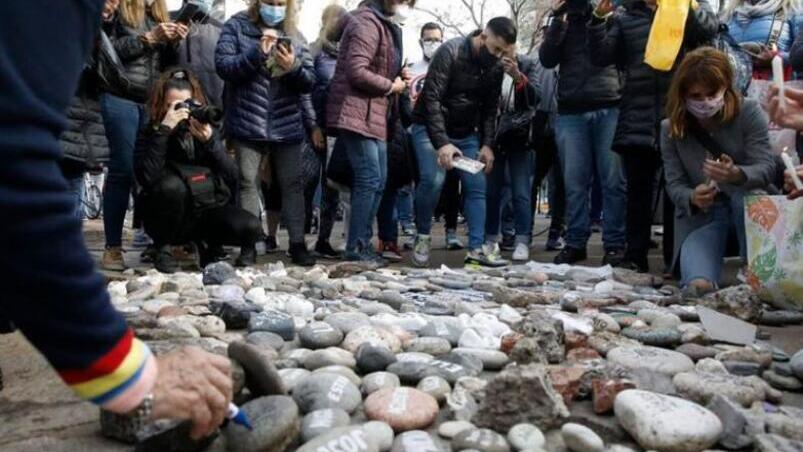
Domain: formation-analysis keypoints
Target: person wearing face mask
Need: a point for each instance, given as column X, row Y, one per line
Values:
column 363, row 96
column 620, row 38
column 267, row 68
column 706, row 116
column 145, row 41
column 588, row 101
column 454, row 116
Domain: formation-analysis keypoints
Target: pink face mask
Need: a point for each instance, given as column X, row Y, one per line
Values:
column 706, row 109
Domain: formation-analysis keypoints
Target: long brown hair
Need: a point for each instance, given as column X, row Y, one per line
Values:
column 174, row 78
column 290, row 23
column 705, row 66
column 132, row 12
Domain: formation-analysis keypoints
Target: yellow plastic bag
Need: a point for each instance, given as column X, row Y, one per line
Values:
column 666, row 34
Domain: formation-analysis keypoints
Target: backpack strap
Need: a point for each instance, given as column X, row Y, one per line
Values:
column 776, row 29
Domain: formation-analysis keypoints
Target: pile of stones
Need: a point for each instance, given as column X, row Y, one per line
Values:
column 524, row 358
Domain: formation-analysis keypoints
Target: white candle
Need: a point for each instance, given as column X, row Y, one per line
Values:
column 777, row 74
column 791, row 168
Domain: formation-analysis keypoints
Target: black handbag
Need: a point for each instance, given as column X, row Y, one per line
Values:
column 516, row 128
column 205, row 188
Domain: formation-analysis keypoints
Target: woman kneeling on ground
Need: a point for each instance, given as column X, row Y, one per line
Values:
column 182, row 166
column 716, row 149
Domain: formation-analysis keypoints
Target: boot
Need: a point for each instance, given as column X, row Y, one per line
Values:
column 300, row 256
column 165, row 262
column 247, row 258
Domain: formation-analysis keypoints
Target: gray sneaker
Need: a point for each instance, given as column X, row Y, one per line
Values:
column 423, row 243
column 487, row 256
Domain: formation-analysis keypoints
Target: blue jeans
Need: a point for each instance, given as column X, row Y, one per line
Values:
column 369, row 161
column 518, row 165
column 432, row 176
column 704, row 249
column 584, row 142
column 404, row 205
column 77, row 191
column 122, row 119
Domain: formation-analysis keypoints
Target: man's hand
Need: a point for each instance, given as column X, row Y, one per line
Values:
column 789, row 185
column 604, row 8
column 285, row 57
column 193, row 384
column 703, row 196
column 446, row 156
column 203, row 132
column 511, row 67
column 791, row 115
column 487, row 156
column 723, row 171
column 399, row 85
column 318, row 140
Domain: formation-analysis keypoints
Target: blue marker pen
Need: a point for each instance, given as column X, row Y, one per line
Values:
column 238, row 416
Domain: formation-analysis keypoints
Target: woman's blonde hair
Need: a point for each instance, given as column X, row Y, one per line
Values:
column 329, row 19
column 727, row 14
column 132, row 12
column 708, row 67
column 290, row 23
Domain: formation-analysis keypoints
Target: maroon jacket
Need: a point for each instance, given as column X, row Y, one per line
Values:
column 366, row 67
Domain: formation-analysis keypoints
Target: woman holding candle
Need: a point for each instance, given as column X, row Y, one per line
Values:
column 706, row 116
column 763, row 28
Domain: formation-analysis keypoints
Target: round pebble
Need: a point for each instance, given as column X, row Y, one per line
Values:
column 402, row 408
column 325, row 390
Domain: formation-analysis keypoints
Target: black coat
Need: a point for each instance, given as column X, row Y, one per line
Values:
column 460, row 96
column 623, row 41
column 582, row 86
column 143, row 64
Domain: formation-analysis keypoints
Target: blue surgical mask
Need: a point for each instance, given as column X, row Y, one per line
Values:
column 272, row 15
column 205, row 5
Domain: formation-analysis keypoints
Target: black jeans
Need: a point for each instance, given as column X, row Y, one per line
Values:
column 546, row 165
column 449, row 203
column 640, row 167
column 169, row 219
column 330, row 197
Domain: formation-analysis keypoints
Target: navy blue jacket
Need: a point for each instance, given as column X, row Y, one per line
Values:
column 325, row 64
column 259, row 107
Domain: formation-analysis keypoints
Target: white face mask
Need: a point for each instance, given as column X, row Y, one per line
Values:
column 429, row 48
column 402, row 13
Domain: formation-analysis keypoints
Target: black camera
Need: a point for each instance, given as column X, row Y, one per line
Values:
column 206, row 114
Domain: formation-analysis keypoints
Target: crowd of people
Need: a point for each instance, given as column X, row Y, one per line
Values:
column 164, row 103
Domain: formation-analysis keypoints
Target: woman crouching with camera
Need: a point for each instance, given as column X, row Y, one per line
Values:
column 182, row 166
column 716, row 149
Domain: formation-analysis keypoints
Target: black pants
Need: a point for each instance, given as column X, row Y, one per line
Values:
column 169, row 220
column 449, row 204
column 641, row 166
column 546, row 164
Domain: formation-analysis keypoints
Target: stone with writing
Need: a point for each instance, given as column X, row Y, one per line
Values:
column 275, row 426
column 483, row 440
column 402, row 408
column 343, row 439
column 326, row 390
column 379, row 380
column 317, row 335
column 318, row 422
column 416, row 441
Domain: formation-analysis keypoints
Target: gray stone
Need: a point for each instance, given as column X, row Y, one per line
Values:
column 781, row 382
column 273, row 322
column 234, row 314
column 391, row 298
column 435, row 386
column 525, row 436
column 261, row 377
column 371, row 335
column 331, row 356
column 697, row 352
column 491, row 359
column 450, row 429
column 775, row 443
column 701, row 387
column 167, row 435
column 548, row 335
column 579, row 438
column 741, row 368
column 262, row 339
column 275, row 422
column 320, row 421
column 483, row 440
column 291, row 377
column 662, row 422
column 452, row 283
column 409, row 372
column 353, row 439
column 653, row 336
column 218, row 273
column 521, row 394
column 380, row 433
column 431, row 345
column 733, row 420
column 415, row 441
column 781, row 318
column 797, row 364
column 320, row 335
column 347, row 321
column 651, row 358
column 374, row 358
column 379, row 380
column 472, row 364
column 737, row 301
column 324, row 390
column 341, row 370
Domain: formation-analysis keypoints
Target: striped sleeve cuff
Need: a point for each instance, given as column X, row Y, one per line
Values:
column 119, row 380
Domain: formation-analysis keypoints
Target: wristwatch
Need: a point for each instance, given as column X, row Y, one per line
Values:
column 124, row 427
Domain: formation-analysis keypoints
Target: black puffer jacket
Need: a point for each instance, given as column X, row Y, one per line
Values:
column 583, row 86
column 143, row 64
column 460, row 96
column 623, row 41
column 84, row 141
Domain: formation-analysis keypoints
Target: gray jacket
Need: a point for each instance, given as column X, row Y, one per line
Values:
column 746, row 140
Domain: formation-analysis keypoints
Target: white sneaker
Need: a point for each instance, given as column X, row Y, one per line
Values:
column 522, row 253
column 421, row 250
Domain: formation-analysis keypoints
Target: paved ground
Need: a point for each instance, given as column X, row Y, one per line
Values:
column 38, row 413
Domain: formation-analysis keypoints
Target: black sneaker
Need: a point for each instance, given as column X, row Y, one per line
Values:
column 148, row 255
column 554, row 242
column 569, row 255
column 300, row 256
column 164, row 261
column 613, row 257
column 508, row 243
column 216, row 253
column 271, row 246
column 247, row 258
column 637, row 264
column 324, row 250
